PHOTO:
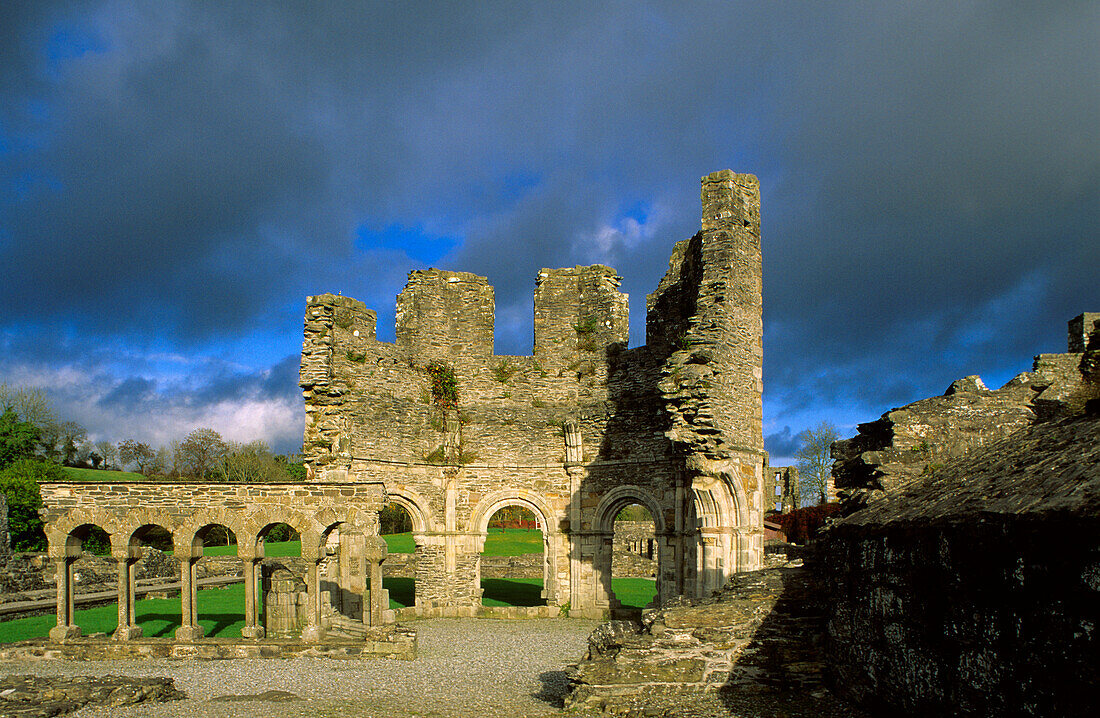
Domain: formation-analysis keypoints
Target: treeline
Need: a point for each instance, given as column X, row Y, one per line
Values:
column 35, row 446
column 203, row 455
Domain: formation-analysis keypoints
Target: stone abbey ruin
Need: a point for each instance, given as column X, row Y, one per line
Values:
column 964, row 578
column 439, row 424
column 575, row 432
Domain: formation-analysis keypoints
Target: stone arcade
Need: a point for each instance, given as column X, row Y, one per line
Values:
column 441, row 425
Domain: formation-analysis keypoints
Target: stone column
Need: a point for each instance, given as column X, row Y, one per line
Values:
column 251, row 629
column 313, row 632
column 189, row 629
column 65, row 629
column 127, row 629
column 375, row 551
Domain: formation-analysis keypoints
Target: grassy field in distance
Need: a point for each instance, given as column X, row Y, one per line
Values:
column 100, row 475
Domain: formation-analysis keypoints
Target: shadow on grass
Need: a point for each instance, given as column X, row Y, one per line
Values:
column 512, row 592
column 402, row 591
column 164, row 625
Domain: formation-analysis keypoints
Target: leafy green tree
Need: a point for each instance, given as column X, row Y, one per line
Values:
column 19, row 484
column 17, row 438
column 814, row 463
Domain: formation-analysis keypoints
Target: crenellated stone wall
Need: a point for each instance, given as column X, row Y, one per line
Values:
column 576, row 431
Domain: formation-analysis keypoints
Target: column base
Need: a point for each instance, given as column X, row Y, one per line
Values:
column 189, row 633
column 126, row 634
column 253, row 632
column 60, row 634
column 313, row 634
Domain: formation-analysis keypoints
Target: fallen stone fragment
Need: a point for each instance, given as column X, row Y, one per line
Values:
column 44, row 697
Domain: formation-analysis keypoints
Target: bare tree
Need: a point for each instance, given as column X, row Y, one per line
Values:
column 108, row 452
column 245, row 463
column 29, row 403
column 138, row 453
column 201, row 451
column 814, row 463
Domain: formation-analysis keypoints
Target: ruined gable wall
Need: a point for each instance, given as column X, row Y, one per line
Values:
column 372, row 400
column 909, row 442
column 707, row 314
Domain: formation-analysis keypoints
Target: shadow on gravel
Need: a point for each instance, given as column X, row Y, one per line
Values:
column 555, row 685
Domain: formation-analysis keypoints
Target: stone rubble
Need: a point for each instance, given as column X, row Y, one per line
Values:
column 25, row 696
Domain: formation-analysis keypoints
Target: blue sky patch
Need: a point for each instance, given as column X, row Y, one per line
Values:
column 416, row 243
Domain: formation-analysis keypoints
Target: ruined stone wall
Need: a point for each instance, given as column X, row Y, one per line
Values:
column 582, row 419
column 976, row 591
column 781, row 488
column 907, row 443
column 968, row 584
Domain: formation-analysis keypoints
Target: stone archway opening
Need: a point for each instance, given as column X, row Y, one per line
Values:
column 623, row 503
column 634, row 557
column 217, row 597
column 278, row 589
column 86, row 548
column 515, row 569
column 149, row 556
column 395, row 525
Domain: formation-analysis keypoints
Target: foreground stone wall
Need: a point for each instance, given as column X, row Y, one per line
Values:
column 576, row 431
column 977, row 592
column 973, row 586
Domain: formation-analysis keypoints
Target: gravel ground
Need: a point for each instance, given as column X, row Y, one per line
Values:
column 466, row 667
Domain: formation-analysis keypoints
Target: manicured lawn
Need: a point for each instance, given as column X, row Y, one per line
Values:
column 221, row 610
column 99, row 475
column 400, row 543
column 221, row 613
column 274, row 549
column 513, row 542
column 510, row 542
column 634, row 592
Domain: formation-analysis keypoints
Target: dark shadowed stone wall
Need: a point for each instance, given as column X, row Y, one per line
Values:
column 976, row 589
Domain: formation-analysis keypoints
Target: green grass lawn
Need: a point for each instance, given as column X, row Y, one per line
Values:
column 274, row 549
column 221, row 613
column 510, row 542
column 221, row 610
column 100, row 475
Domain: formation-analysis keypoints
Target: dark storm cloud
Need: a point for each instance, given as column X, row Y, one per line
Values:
column 182, row 175
column 782, row 444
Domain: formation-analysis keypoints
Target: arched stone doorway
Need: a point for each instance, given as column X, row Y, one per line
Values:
column 552, row 540
column 604, row 524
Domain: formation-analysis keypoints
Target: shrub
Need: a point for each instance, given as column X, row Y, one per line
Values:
column 801, row 525
column 444, row 384
column 19, row 484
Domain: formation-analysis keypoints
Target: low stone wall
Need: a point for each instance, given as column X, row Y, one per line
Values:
column 530, row 565
column 35, row 572
column 403, row 565
column 392, row 641
column 634, row 550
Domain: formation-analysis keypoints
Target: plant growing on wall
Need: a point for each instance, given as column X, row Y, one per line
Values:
column 503, row 371
column 443, row 385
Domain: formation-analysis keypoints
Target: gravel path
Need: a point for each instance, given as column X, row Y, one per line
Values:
column 466, row 667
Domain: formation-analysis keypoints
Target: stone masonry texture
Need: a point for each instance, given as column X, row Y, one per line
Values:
column 574, row 432
column 969, row 583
